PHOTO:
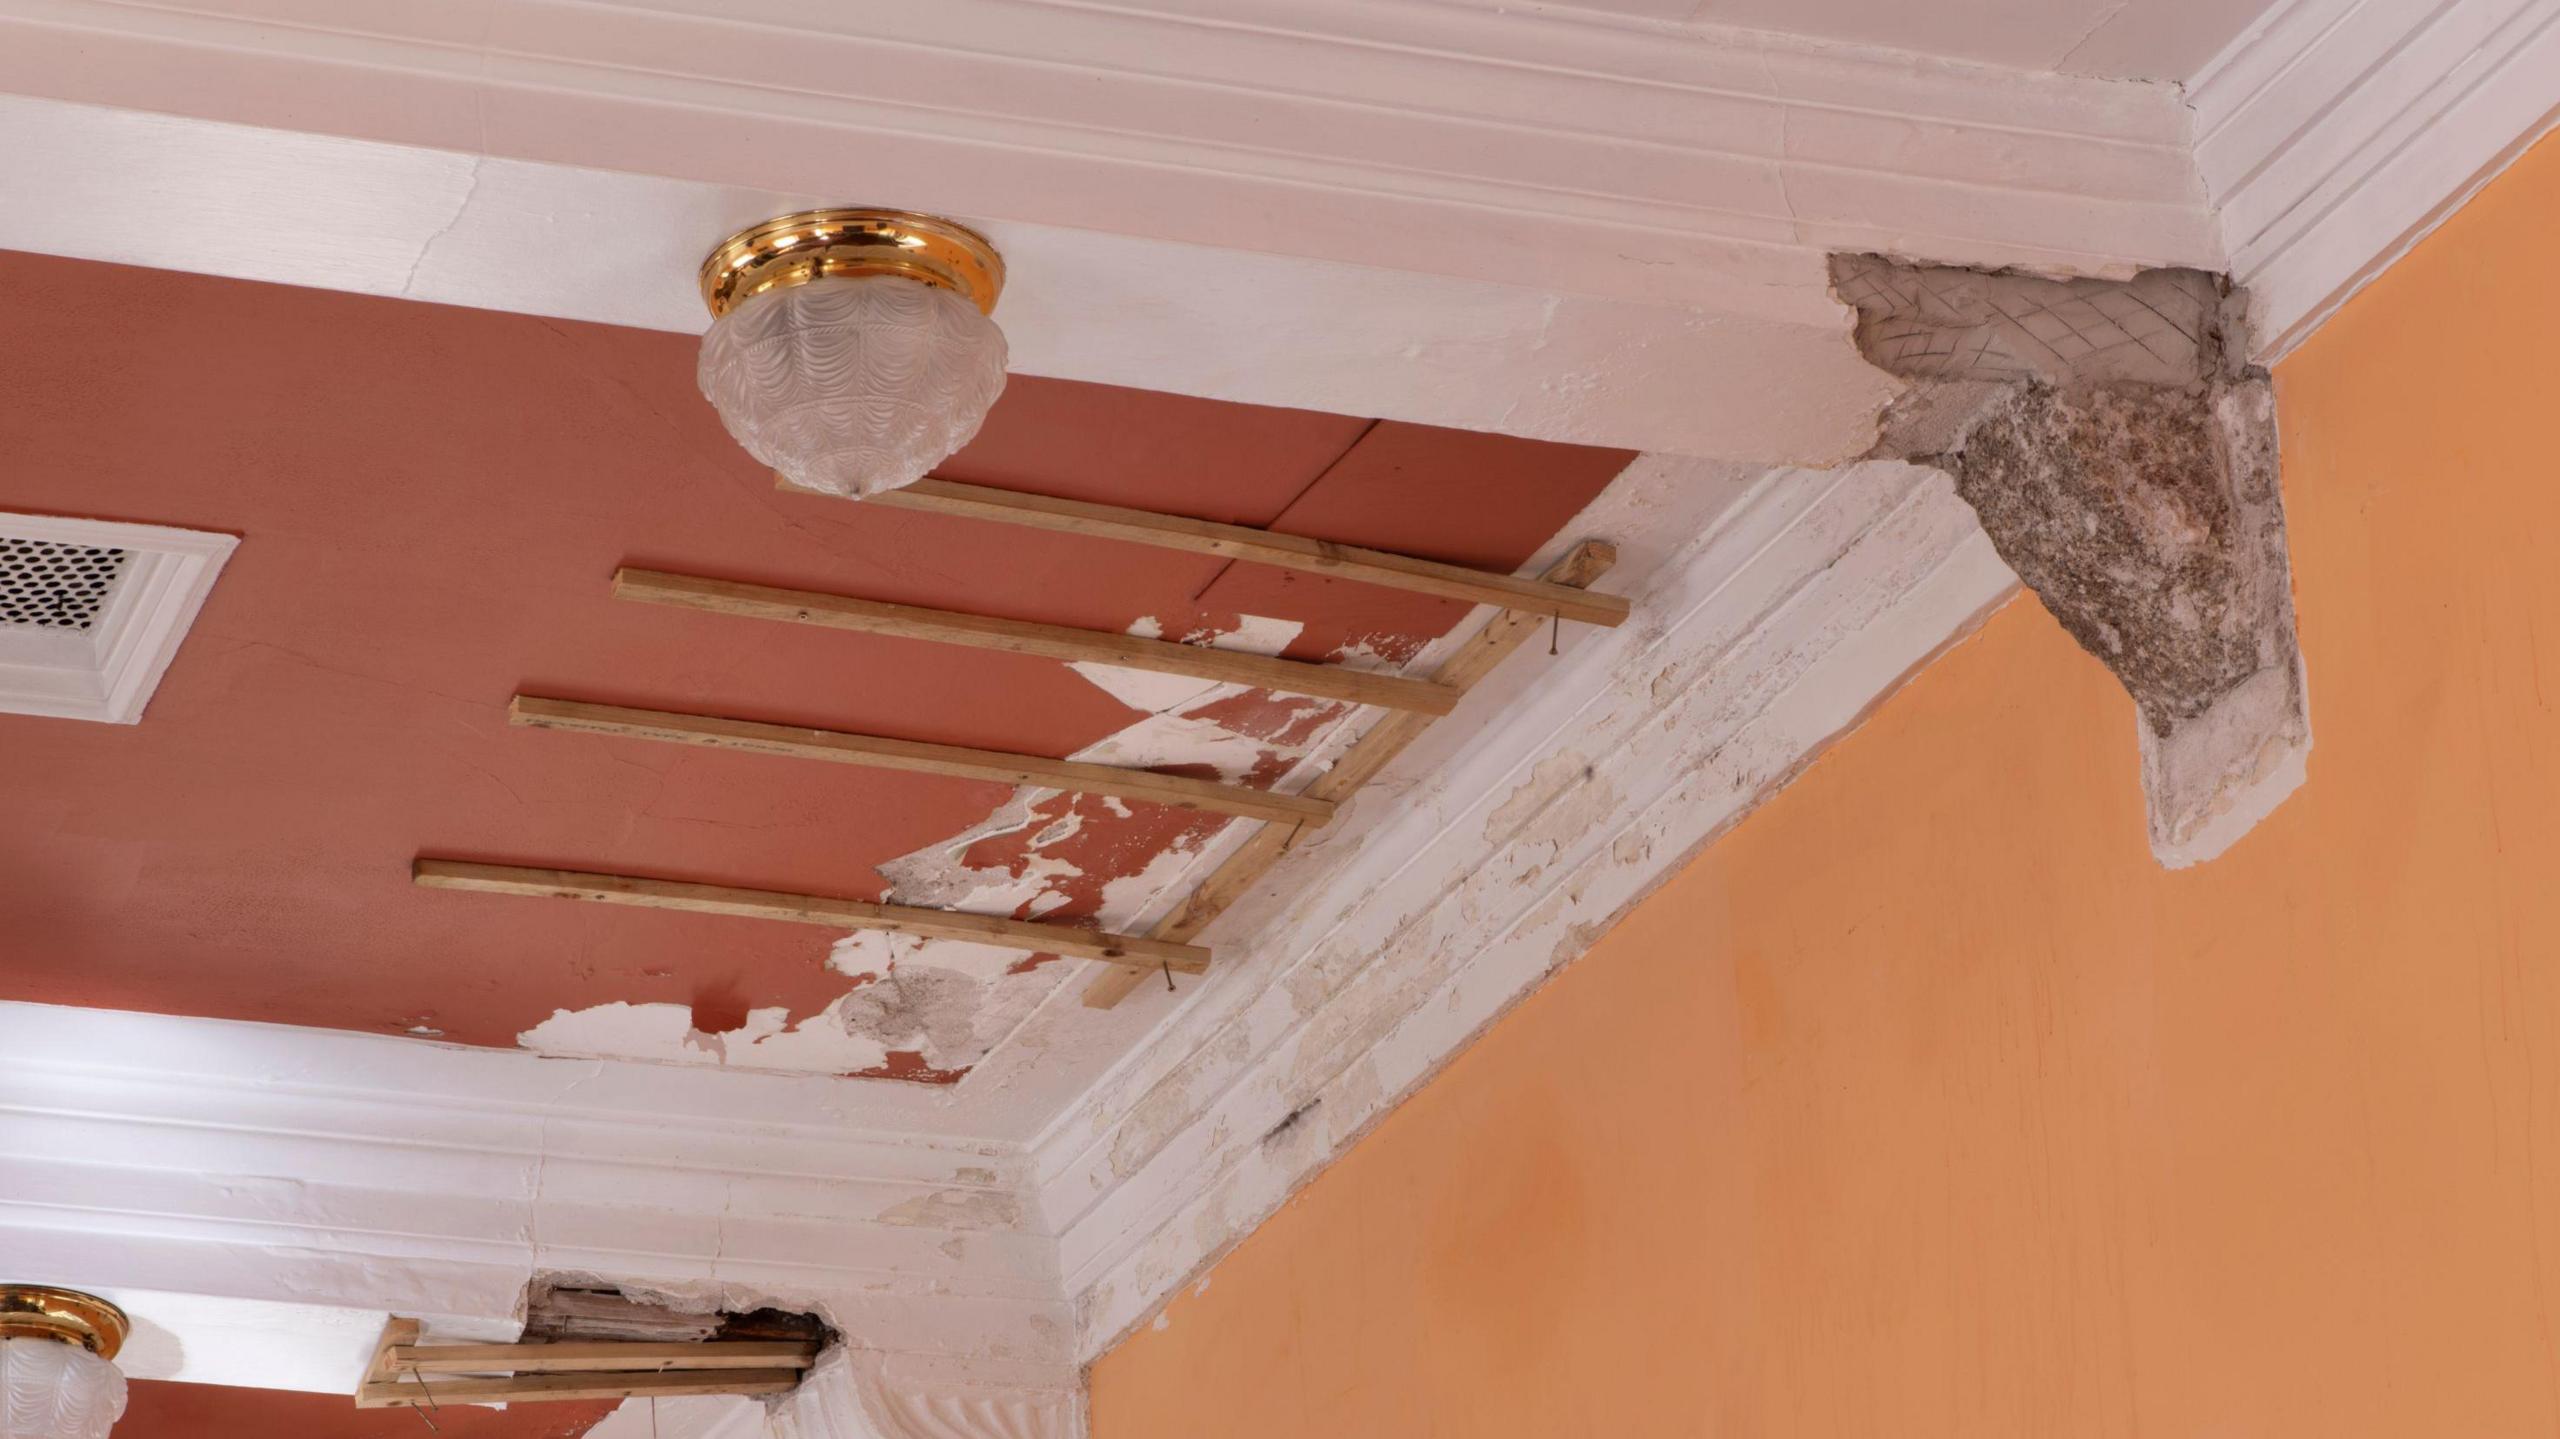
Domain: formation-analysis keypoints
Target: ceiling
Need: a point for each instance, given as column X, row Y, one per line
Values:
column 432, row 502
column 162, row 1410
column 1301, row 214
column 2116, row 39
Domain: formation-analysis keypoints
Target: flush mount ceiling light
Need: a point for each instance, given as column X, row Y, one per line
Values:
column 55, row 1381
column 851, row 349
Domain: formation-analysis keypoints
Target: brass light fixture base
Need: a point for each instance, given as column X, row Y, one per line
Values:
column 840, row 244
column 40, row 1311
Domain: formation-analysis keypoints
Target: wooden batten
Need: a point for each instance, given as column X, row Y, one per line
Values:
column 878, row 752
column 827, row 912
column 406, row 1374
column 1026, row 637
column 1238, row 542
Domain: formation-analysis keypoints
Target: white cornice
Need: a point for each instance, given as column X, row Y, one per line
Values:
column 1247, row 124
column 260, row 1166
column 2335, row 134
column 1446, row 899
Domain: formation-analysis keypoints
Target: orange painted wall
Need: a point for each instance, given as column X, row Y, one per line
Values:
column 1924, row 1104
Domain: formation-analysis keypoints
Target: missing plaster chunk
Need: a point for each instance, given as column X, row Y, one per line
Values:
column 2122, row 458
column 561, row 1307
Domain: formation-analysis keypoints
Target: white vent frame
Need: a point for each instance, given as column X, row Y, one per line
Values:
column 108, row 674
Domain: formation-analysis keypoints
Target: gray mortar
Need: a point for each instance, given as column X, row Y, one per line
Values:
column 2122, row 459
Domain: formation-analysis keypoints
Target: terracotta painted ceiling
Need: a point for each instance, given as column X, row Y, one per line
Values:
column 432, row 502
column 219, row 1411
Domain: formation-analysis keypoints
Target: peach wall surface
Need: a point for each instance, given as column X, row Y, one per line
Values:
column 1924, row 1103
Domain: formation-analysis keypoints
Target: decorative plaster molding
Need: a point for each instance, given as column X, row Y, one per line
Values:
column 1449, row 901
column 863, row 1394
column 2335, row 134
column 278, row 1166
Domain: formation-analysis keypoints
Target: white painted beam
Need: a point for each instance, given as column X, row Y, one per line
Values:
column 1422, row 211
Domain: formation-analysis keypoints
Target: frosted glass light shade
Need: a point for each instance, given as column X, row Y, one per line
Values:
column 853, row 385
column 53, row 1390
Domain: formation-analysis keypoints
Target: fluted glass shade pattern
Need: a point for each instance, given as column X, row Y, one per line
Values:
column 52, row 1390
column 853, row 386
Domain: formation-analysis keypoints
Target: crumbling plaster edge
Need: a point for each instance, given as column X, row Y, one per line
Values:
column 1897, row 594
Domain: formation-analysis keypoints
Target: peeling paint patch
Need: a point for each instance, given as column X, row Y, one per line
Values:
column 1549, row 779
column 928, row 1010
column 957, row 1209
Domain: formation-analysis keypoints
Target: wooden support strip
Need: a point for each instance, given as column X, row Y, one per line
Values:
column 1245, row 867
column 1025, row 637
column 1239, row 542
column 750, row 737
column 597, row 1356
column 1148, row 955
column 543, row 1388
column 396, row 1332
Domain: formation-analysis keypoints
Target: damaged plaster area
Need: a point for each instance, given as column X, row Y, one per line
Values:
column 928, row 1010
column 2123, row 459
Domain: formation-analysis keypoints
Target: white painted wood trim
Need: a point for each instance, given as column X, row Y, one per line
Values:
column 2336, row 134
column 1463, row 891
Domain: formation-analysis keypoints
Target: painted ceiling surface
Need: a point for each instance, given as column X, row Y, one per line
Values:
column 155, row 1410
column 432, row 502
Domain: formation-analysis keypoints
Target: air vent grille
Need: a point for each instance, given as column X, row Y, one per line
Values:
column 54, row 586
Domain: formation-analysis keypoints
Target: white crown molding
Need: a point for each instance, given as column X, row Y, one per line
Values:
column 1767, row 637
column 110, row 674
column 1348, row 206
column 864, row 1394
column 308, row 1182
column 2335, row 134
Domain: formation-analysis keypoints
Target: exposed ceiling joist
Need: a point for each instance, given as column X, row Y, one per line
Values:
column 1262, row 547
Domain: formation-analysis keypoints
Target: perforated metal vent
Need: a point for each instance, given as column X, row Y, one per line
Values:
column 48, row 585
column 91, row 612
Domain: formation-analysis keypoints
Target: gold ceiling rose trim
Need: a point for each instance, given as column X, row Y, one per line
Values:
column 40, row 1311
column 844, row 243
